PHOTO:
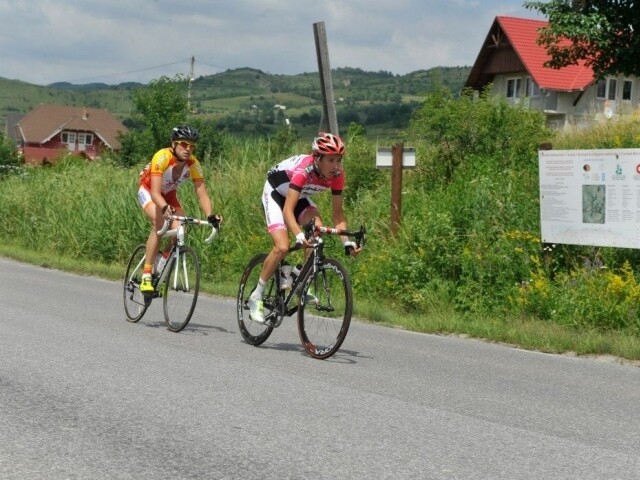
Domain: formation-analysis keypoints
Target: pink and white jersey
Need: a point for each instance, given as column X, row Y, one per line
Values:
column 298, row 172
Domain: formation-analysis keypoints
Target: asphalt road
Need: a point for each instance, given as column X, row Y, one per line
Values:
column 86, row 395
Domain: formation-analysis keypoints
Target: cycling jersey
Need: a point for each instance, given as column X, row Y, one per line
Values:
column 299, row 173
column 162, row 164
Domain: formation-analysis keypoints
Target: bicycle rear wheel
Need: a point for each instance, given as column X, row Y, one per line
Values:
column 135, row 303
column 180, row 289
column 325, row 310
column 255, row 333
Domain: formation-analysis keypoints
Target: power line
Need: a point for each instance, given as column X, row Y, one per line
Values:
column 211, row 65
column 129, row 72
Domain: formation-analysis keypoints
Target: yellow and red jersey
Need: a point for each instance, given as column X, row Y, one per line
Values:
column 162, row 164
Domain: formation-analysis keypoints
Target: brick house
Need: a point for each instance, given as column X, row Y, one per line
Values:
column 513, row 63
column 51, row 131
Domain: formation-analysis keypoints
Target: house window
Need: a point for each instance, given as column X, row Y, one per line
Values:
column 627, row 88
column 607, row 89
column 513, row 88
column 601, row 89
column 68, row 137
column 531, row 88
column 613, row 85
column 85, row 138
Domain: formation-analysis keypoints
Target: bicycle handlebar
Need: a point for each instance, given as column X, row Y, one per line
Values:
column 311, row 230
column 188, row 221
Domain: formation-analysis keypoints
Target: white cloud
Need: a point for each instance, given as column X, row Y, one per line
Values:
column 139, row 40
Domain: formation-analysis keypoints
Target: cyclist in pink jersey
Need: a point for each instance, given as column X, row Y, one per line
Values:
column 157, row 196
column 287, row 204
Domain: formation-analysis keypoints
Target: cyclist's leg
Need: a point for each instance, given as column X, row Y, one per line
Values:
column 278, row 252
column 153, row 213
column 308, row 211
column 172, row 199
column 273, row 203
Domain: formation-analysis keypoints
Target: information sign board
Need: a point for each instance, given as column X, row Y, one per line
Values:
column 590, row 197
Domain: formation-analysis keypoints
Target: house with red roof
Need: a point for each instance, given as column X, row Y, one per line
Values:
column 50, row 132
column 512, row 62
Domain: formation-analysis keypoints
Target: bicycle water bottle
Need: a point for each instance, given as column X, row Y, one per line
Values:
column 159, row 262
column 285, row 277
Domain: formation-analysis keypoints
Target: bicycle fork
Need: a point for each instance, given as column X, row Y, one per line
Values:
column 179, row 272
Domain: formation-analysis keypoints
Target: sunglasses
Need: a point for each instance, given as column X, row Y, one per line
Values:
column 186, row 145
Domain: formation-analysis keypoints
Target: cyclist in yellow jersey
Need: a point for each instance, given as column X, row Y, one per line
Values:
column 157, row 196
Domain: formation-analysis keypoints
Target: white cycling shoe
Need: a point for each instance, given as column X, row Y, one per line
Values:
column 256, row 310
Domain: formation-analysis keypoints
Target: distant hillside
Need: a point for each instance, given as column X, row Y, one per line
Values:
column 92, row 86
column 247, row 99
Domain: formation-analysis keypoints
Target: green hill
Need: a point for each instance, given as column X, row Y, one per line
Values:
column 245, row 98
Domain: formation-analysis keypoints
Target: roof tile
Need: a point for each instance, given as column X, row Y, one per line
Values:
column 523, row 34
column 47, row 120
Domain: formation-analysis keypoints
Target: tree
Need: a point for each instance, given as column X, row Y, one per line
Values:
column 159, row 107
column 467, row 130
column 162, row 105
column 602, row 33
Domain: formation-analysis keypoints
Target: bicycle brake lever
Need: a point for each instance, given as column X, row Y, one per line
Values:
column 165, row 227
column 214, row 234
column 361, row 238
column 308, row 229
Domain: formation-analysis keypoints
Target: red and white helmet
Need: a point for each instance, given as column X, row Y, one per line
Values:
column 327, row 144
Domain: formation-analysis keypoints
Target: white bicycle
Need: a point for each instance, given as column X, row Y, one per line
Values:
column 177, row 282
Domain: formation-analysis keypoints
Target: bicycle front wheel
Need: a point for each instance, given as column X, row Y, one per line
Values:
column 180, row 289
column 325, row 309
column 135, row 303
column 252, row 332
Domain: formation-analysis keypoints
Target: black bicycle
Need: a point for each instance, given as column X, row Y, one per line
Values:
column 321, row 294
column 177, row 282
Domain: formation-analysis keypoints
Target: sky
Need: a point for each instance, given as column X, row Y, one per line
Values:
column 112, row 41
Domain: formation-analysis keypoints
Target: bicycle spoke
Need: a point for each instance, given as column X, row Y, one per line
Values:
column 252, row 332
column 180, row 289
column 325, row 311
column 135, row 303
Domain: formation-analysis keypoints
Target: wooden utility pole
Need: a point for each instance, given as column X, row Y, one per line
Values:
column 329, row 122
column 397, row 152
column 193, row 61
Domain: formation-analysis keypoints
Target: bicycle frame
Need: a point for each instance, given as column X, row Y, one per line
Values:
column 310, row 266
column 179, row 232
column 177, row 282
column 324, row 302
column 174, row 255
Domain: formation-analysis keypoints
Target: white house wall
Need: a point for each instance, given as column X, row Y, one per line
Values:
column 559, row 106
